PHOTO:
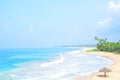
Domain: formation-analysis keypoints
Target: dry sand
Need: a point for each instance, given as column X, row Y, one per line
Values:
column 115, row 67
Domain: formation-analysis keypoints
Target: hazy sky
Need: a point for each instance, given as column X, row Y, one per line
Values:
column 42, row 23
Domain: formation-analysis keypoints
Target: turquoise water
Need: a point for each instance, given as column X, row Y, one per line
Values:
column 10, row 57
column 48, row 63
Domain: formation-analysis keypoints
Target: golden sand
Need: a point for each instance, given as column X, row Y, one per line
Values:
column 115, row 67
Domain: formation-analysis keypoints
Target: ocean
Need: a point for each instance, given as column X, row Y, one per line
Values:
column 57, row 63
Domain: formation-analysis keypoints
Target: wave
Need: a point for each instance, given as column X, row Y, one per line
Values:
column 60, row 60
column 66, row 67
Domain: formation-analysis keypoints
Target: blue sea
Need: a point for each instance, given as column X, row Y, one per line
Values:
column 57, row 63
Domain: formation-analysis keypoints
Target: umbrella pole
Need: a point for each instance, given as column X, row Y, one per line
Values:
column 104, row 74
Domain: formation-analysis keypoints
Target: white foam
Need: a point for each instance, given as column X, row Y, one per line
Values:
column 60, row 60
column 58, row 75
column 74, row 52
column 31, row 79
column 88, row 48
column 65, row 68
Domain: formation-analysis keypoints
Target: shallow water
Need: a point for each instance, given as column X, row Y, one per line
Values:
column 10, row 57
column 63, row 66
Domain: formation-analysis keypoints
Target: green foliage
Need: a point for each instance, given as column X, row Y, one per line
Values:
column 93, row 50
column 104, row 45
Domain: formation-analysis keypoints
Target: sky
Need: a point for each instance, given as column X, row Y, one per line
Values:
column 45, row 23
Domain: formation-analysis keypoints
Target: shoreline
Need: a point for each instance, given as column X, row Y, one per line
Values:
column 114, row 75
column 36, row 68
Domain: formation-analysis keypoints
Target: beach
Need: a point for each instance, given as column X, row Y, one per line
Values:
column 114, row 75
column 69, row 64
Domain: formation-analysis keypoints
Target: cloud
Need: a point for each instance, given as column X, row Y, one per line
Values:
column 113, row 6
column 104, row 22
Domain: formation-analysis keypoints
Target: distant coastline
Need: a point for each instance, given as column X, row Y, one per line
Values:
column 78, row 46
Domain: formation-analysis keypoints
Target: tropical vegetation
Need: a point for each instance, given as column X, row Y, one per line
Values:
column 104, row 45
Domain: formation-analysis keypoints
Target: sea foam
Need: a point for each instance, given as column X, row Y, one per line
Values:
column 66, row 67
column 60, row 60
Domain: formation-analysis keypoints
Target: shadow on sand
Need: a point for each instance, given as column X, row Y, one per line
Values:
column 102, row 76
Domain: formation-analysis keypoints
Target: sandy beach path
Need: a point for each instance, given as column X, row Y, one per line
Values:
column 115, row 67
